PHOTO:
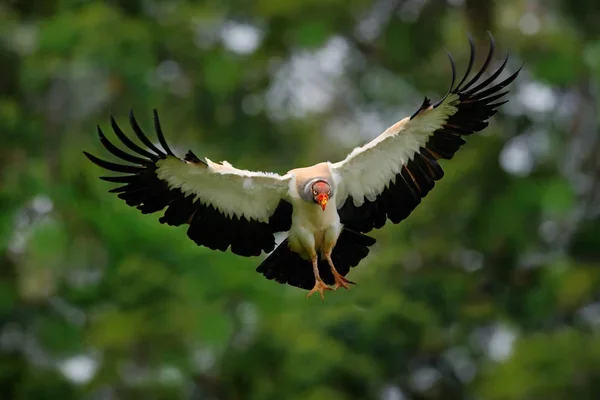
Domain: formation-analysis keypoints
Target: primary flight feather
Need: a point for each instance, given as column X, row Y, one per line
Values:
column 327, row 208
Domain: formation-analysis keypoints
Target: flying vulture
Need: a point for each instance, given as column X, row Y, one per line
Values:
column 326, row 208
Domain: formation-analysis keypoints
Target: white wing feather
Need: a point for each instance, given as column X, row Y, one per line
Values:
column 254, row 195
column 367, row 170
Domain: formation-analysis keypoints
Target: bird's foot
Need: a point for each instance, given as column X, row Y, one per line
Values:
column 320, row 286
column 341, row 281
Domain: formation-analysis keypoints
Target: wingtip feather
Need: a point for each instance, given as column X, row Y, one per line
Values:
column 159, row 133
column 471, row 62
column 453, row 66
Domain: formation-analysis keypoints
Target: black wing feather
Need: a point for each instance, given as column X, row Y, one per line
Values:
column 140, row 134
column 116, row 151
column 127, row 142
column 159, row 133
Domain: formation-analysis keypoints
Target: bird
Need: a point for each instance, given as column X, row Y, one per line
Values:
column 326, row 209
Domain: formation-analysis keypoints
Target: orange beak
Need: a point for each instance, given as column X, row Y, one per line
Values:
column 322, row 199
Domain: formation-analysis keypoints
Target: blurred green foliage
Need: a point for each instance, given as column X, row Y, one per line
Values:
column 490, row 290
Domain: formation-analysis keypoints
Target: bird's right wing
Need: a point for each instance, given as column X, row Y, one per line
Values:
column 223, row 205
column 387, row 177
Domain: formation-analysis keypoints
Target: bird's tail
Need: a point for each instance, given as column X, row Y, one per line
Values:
column 286, row 266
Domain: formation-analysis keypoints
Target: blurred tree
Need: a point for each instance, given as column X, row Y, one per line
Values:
column 489, row 290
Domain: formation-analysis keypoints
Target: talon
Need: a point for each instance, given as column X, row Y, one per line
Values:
column 341, row 281
column 320, row 286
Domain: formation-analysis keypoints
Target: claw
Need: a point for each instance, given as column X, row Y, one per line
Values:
column 320, row 286
column 341, row 281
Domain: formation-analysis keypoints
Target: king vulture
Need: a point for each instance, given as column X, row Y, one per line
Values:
column 326, row 208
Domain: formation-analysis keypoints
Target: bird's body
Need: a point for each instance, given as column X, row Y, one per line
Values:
column 313, row 230
column 326, row 209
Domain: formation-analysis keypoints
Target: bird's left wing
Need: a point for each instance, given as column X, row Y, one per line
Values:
column 224, row 206
column 388, row 177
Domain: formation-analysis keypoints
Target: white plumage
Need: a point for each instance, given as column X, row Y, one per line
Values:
column 254, row 195
column 367, row 170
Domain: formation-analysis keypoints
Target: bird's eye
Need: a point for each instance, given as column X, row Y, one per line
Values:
column 315, row 192
column 328, row 192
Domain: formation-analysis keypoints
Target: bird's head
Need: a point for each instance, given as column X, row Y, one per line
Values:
column 321, row 191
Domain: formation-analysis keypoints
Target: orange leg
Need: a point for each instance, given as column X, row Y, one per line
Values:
column 320, row 286
column 340, row 281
